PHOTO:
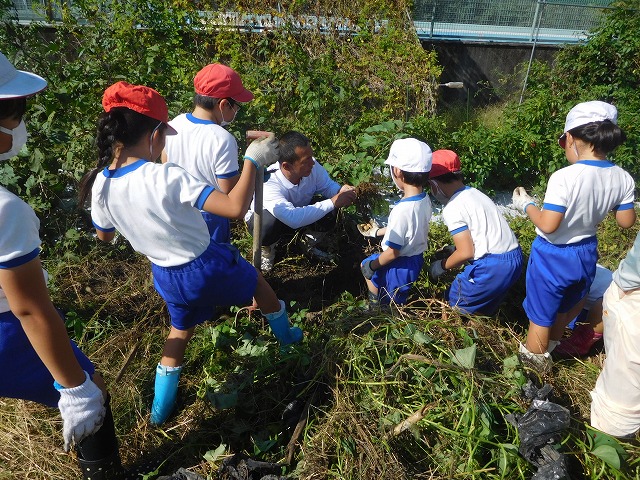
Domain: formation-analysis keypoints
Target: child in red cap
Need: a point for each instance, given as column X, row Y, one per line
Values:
column 157, row 208
column 202, row 145
column 482, row 239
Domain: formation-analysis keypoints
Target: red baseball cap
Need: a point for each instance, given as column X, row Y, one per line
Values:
column 444, row 161
column 219, row 81
column 141, row 99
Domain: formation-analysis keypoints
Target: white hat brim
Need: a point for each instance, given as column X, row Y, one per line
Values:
column 23, row 84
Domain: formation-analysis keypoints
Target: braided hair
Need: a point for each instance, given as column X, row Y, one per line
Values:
column 117, row 129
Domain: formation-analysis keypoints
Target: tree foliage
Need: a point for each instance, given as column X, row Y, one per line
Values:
column 329, row 69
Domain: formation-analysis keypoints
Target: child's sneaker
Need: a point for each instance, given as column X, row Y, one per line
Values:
column 578, row 344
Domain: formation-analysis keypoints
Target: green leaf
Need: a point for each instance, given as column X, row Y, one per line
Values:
column 212, row 455
column 422, row 338
column 465, row 357
column 609, row 455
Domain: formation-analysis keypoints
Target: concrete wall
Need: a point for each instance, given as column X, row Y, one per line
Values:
column 490, row 72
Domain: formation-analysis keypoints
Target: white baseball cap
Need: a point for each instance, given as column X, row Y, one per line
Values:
column 410, row 155
column 16, row 83
column 588, row 112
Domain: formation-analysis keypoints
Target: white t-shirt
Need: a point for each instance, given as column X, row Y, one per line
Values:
column 470, row 209
column 289, row 203
column 155, row 206
column 408, row 226
column 203, row 148
column 585, row 192
column 19, row 237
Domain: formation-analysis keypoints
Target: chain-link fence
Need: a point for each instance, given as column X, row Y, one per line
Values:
column 553, row 21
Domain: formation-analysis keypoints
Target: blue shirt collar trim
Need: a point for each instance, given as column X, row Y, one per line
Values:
column 201, row 121
column 415, row 198
column 597, row 163
column 122, row 171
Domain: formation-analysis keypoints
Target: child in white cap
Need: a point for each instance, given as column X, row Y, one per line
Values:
column 562, row 263
column 390, row 274
column 481, row 236
column 41, row 363
column 202, row 144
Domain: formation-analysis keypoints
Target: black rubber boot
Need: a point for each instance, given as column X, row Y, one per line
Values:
column 107, row 468
column 98, row 454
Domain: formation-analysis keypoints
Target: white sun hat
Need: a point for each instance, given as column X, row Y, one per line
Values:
column 16, row 83
column 587, row 112
column 410, row 155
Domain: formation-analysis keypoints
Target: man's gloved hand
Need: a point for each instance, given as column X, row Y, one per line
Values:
column 82, row 410
column 369, row 229
column 367, row 271
column 521, row 199
column 444, row 252
column 263, row 152
column 436, row 270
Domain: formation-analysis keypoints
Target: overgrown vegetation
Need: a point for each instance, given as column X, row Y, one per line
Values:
column 341, row 393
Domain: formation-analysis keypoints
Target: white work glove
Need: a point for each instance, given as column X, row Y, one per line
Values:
column 540, row 362
column 367, row 271
column 263, row 152
column 369, row 229
column 436, row 270
column 521, row 199
column 82, row 410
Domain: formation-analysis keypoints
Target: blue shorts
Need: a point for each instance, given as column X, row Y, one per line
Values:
column 482, row 285
column 220, row 276
column 219, row 227
column 558, row 277
column 394, row 280
column 23, row 375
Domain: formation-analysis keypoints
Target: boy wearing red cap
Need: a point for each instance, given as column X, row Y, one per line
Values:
column 156, row 207
column 481, row 236
column 202, row 146
column 390, row 274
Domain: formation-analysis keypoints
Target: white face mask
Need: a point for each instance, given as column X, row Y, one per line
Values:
column 151, row 142
column 438, row 193
column 223, row 122
column 19, row 138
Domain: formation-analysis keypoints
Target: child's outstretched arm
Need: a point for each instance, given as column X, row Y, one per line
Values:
column 261, row 153
column 385, row 258
column 547, row 221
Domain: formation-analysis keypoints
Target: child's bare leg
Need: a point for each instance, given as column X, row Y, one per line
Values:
column 371, row 287
column 275, row 312
column 264, row 296
column 563, row 319
column 174, row 347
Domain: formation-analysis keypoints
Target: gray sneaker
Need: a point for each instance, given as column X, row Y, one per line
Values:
column 268, row 255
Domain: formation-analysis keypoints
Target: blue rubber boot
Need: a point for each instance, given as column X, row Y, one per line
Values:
column 279, row 323
column 166, row 391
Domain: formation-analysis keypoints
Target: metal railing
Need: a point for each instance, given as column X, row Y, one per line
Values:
column 485, row 21
column 513, row 21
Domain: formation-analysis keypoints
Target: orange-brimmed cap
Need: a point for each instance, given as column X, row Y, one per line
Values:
column 139, row 98
column 219, row 81
column 443, row 162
